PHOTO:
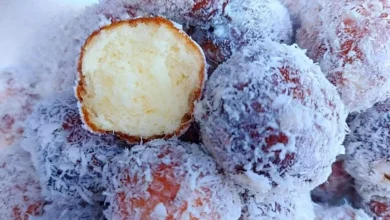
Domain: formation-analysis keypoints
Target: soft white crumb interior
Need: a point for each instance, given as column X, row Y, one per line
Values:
column 139, row 79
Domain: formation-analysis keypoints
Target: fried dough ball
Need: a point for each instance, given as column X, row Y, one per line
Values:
column 20, row 192
column 351, row 41
column 243, row 22
column 140, row 79
column 68, row 158
column 344, row 212
column 168, row 180
column 289, row 205
column 271, row 119
column 16, row 100
column 367, row 146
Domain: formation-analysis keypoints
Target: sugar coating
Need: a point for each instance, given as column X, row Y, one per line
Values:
column 62, row 210
column 168, row 180
column 52, row 59
column 243, row 22
column 337, row 188
column 289, row 205
column 68, row 158
column 20, row 193
column 271, row 119
column 351, row 41
column 17, row 99
column 367, row 146
column 193, row 12
column 344, row 212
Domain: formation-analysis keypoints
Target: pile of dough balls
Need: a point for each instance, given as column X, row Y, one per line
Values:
column 200, row 109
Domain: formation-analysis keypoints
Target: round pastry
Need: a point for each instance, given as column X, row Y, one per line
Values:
column 68, row 158
column 351, row 41
column 65, row 211
column 20, row 193
column 367, row 146
column 16, row 100
column 168, row 180
column 289, row 205
column 139, row 79
column 337, row 188
column 243, row 22
column 344, row 212
column 193, row 12
column 270, row 118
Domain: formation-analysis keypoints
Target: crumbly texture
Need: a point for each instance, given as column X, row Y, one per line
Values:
column 351, row 41
column 16, row 100
column 337, row 188
column 140, row 78
column 62, row 210
column 344, row 212
column 20, row 192
column 68, row 158
column 186, row 12
column 271, row 119
column 243, row 22
column 288, row 205
column 367, row 146
column 168, row 180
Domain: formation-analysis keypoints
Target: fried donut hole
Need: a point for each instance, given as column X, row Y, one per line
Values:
column 270, row 118
column 351, row 41
column 20, row 191
column 139, row 79
column 169, row 180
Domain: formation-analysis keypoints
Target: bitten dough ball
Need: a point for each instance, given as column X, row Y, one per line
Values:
column 68, row 158
column 193, row 12
column 270, row 118
column 367, row 146
column 344, row 212
column 288, row 205
column 139, row 79
column 20, row 193
column 337, row 188
column 243, row 22
column 16, row 100
column 351, row 41
column 168, row 180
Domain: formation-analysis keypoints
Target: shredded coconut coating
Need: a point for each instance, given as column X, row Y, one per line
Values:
column 61, row 210
column 20, row 193
column 168, row 180
column 16, row 100
column 337, row 188
column 243, row 22
column 288, row 205
column 375, row 201
column 351, row 41
column 193, row 12
column 344, row 212
column 271, row 119
column 68, row 158
column 52, row 59
column 367, row 146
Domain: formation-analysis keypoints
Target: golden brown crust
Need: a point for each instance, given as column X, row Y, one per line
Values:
column 195, row 96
